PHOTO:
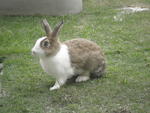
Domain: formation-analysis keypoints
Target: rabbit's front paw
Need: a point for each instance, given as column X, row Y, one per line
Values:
column 58, row 84
column 54, row 88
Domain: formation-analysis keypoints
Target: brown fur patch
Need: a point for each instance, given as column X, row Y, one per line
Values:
column 85, row 55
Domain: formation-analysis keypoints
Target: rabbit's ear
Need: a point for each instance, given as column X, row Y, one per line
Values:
column 47, row 28
column 57, row 29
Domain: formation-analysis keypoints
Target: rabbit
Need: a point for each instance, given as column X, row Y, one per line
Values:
column 64, row 60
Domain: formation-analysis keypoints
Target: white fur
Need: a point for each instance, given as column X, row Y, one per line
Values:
column 59, row 66
column 82, row 78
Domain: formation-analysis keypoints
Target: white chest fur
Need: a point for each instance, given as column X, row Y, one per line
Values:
column 59, row 65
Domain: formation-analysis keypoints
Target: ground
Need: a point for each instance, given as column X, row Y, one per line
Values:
column 124, row 89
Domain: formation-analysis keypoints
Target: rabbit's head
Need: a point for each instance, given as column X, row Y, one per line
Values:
column 48, row 45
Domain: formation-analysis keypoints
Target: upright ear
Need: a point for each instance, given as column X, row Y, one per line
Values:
column 57, row 29
column 47, row 28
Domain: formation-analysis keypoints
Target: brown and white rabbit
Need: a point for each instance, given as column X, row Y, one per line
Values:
column 64, row 60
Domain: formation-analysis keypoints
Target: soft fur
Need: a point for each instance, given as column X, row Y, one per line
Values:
column 78, row 57
column 86, row 56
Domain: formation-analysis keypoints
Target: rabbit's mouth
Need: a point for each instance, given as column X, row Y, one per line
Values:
column 33, row 52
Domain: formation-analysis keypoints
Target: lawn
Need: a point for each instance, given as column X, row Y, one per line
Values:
column 125, row 88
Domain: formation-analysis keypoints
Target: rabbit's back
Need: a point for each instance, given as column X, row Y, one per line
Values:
column 85, row 55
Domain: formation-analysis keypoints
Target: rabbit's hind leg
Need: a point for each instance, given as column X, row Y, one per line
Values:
column 83, row 77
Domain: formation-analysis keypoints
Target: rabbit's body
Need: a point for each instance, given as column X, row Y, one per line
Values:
column 78, row 57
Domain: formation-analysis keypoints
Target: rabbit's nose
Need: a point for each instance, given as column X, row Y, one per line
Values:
column 33, row 53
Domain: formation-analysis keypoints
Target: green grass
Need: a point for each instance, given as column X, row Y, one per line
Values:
column 124, row 89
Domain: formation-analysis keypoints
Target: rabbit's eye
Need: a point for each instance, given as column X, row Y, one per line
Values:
column 46, row 44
